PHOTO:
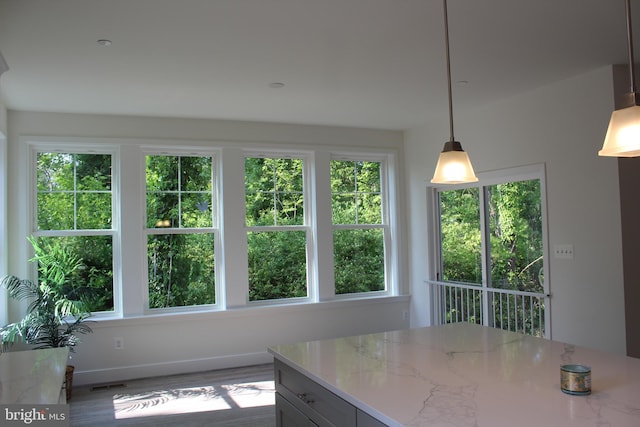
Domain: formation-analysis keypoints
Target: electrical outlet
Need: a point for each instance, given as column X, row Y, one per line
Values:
column 563, row 251
column 118, row 343
column 405, row 314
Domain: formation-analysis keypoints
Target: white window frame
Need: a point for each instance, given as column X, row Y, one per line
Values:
column 312, row 288
column 215, row 228
column 64, row 146
column 387, row 214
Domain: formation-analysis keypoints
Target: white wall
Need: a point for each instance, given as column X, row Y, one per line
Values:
column 563, row 126
column 158, row 345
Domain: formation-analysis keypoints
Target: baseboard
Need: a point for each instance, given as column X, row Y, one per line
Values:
column 124, row 373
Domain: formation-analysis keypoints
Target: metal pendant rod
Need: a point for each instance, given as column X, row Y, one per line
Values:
column 446, row 42
column 632, row 74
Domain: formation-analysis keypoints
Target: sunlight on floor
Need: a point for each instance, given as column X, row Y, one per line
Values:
column 194, row 399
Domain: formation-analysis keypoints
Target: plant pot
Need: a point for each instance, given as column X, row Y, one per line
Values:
column 68, row 381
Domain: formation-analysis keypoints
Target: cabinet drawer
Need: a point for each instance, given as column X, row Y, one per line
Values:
column 288, row 415
column 304, row 393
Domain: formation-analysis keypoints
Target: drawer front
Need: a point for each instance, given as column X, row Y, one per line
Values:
column 304, row 392
column 288, row 415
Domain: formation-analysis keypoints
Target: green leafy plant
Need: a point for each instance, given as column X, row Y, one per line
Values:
column 53, row 318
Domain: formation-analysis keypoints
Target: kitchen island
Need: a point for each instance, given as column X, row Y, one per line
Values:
column 450, row 375
column 33, row 376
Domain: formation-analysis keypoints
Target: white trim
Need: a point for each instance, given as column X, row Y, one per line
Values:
column 488, row 178
column 123, row 373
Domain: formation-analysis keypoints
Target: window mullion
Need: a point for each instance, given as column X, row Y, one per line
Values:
column 485, row 251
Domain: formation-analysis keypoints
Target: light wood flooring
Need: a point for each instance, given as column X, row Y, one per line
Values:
column 239, row 397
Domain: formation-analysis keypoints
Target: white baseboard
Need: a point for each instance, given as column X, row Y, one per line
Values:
column 124, row 373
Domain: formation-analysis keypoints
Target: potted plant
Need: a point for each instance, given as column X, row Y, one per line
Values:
column 53, row 317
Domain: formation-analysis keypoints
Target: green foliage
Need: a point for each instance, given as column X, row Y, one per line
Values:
column 53, row 318
column 74, row 193
column 277, row 265
column 356, row 195
column 358, row 261
column 181, row 266
column 461, row 240
column 274, row 191
column 181, row 269
column 514, row 225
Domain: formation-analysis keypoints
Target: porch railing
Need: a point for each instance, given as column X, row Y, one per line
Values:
column 516, row 311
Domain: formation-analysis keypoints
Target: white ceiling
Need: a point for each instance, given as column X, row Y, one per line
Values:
column 365, row 63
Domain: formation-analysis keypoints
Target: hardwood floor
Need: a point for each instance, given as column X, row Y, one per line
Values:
column 239, row 397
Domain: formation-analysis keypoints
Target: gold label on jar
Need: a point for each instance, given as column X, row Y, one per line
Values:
column 575, row 379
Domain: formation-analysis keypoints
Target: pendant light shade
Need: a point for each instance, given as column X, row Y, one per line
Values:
column 623, row 135
column 454, row 165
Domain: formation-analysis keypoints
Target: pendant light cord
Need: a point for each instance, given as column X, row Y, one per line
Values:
column 632, row 74
column 446, row 43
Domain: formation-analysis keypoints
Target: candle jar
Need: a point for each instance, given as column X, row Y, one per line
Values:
column 575, row 379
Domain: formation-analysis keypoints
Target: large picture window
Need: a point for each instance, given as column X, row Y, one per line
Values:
column 74, row 213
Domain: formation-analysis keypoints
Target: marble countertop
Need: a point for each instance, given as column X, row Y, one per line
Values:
column 469, row 375
column 32, row 376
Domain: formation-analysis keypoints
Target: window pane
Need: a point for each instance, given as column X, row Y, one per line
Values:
column 358, row 260
column 195, row 174
column 162, row 173
column 55, row 172
column 93, row 172
column 515, row 225
column 179, row 192
column 73, row 191
column 196, row 210
column 92, row 282
column 181, row 270
column 55, row 211
column 274, row 191
column 355, row 192
column 460, row 234
column 162, row 210
column 94, row 211
column 277, row 265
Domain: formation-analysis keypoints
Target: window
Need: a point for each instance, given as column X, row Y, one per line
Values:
column 491, row 254
column 74, row 200
column 181, row 233
column 277, row 234
column 147, row 222
column 358, row 228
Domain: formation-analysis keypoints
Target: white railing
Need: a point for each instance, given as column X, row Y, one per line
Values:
column 516, row 311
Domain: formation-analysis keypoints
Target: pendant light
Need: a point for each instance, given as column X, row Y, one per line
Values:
column 454, row 166
column 623, row 135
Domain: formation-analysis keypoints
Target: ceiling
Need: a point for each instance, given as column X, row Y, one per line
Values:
column 363, row 63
